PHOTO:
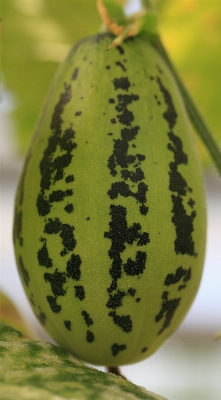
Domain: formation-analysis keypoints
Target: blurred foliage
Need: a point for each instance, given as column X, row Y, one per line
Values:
column 37, row 34
column 191, row 33
column 11, row 316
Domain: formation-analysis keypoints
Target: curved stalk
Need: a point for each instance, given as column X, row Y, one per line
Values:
column 194, row 115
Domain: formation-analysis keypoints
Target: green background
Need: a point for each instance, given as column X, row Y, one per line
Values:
column 37, row 34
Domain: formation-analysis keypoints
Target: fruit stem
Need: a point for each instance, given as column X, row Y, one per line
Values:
column 192, row 111
column 119, row 39
column 147, row 4
column 194, row 114
column 115, row 371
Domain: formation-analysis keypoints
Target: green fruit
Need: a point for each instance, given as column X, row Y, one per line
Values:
column 110, row 220
column 36, row 370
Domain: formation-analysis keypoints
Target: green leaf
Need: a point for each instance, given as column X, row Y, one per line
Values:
column 10, row 315
column 115, row 12
column 191, row 33
column 36, row 370
column 150, row 22
column 36, row 36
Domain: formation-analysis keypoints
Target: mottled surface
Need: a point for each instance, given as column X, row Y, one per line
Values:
column 39, row 370
column 110, row 234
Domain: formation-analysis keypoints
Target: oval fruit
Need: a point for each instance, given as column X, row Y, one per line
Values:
column 110, row 220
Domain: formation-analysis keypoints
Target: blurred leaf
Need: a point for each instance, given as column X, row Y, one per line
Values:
column 10, row 315
column 36, row 37
column 217, row 335
column 150, row 22
column 115, row 11
column 191, row 32
column 8, row 333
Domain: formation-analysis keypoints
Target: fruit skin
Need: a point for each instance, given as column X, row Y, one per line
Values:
column 110, row 220
column 32, row 369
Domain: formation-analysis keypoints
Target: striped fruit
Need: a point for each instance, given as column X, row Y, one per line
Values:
column 110, row 221
column 39, row 370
